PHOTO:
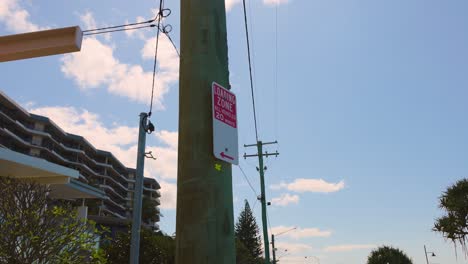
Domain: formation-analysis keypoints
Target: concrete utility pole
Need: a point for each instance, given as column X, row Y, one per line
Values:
column 262, row 169
column 205, row 218
column 144, row 126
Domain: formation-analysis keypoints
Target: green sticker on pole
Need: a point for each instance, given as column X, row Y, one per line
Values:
column 225, row 142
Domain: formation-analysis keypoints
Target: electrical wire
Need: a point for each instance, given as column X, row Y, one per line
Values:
column 170, row 39
column 155, row 56
column 247, row 179
column 159, row 17
column 166, row 29
column 269, row 223
column 162, row 13
column 250, row 71
column 120, row 26
column 256, row 200
column 268, row 220
column 117, row 30
column 254, row 67
column 276, row 72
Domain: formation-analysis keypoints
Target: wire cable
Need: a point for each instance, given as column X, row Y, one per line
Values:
column 253, row 208
column 247, row 179
column 269, row 224
column 159, row 17
column 117, row 30
column 276, row 72
column 170, row 39
column 250, row 71
column 166, row 29
column 120, row 26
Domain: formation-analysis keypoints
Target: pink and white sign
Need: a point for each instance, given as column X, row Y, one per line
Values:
column 224, row 105
column 225, row 142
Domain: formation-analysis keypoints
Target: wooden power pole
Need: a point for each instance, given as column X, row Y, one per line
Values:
column 205, row 220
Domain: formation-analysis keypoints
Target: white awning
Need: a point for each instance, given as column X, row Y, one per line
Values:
column 62, row 180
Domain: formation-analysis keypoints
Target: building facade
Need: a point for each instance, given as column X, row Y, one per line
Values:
column 40, row 137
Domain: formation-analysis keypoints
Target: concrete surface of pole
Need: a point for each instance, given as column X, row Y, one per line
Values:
column 204, row 215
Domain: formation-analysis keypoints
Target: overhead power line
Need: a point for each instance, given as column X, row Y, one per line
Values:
column 116, row 30
column 159, row 16
column 119, row 26
column 250, row 70
column 164, row 28
column 247, row 179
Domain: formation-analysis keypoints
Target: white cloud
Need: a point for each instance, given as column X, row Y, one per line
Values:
column 122, row 142
column 93, row 66
column 350, row 247
column 88, row 20
column 89, row 125
column 285, row 199
column 96, row 66
column 275, row 2
column 231, row 3
column 300, row 233
column 310, row 185
column 168, row 195
column 169, row 138
column 16, row 18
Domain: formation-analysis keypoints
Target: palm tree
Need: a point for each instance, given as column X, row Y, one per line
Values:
column 454, row 225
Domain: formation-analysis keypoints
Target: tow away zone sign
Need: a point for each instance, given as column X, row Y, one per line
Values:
column 224, row 105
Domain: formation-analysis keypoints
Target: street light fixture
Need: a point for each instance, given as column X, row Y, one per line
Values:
column 425, row 252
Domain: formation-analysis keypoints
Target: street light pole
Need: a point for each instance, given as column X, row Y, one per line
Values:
column 144, row 127
column 425, row 253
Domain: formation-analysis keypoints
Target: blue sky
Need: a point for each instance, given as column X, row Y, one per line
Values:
column 369, row 110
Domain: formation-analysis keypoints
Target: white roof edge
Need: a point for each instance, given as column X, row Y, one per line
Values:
column 38, row 163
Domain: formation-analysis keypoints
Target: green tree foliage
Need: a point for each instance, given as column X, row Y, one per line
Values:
column 388, row 255
column 248, row 241
column 34, row 231
column 154, row 248
column 454, row 224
